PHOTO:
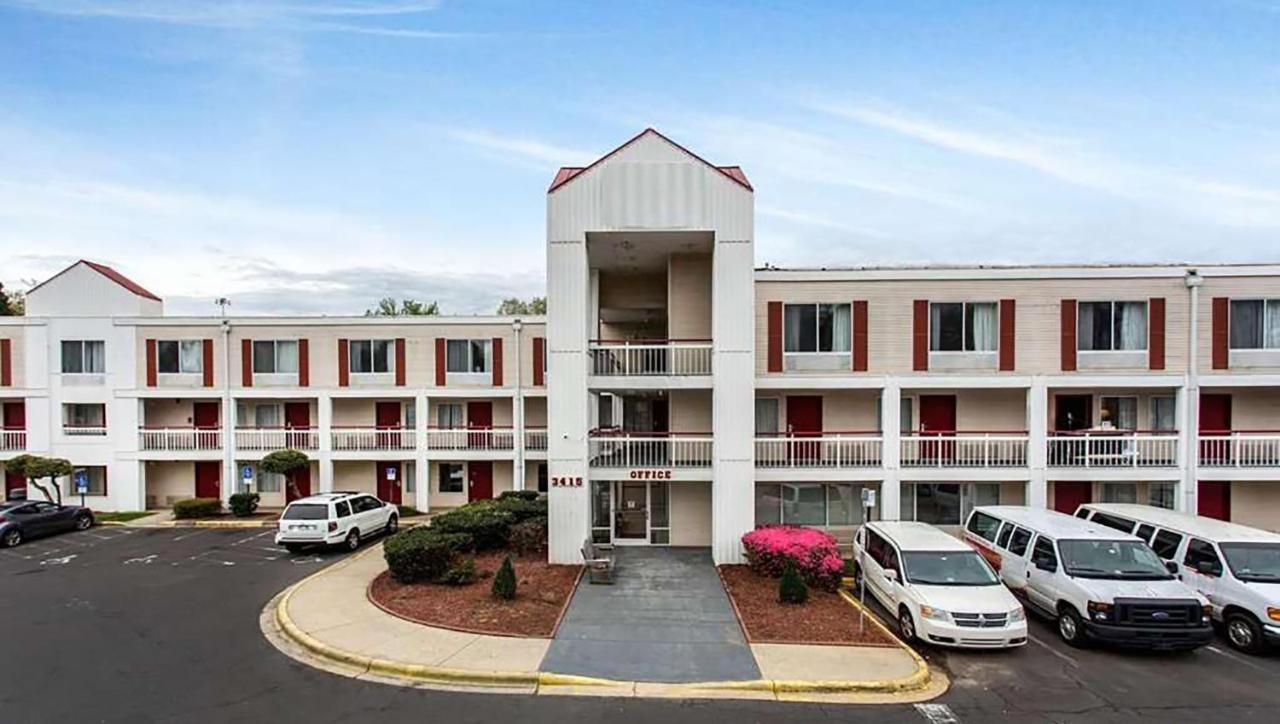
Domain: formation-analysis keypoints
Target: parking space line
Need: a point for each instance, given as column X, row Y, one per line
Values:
column 1053, row 651
column 1240, row 660
column 937, row 713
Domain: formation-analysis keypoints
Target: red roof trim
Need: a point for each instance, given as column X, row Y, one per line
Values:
column 109, row 273
column 568, row 173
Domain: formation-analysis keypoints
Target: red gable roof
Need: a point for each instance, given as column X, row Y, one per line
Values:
column 568, row 173
column 109, row 273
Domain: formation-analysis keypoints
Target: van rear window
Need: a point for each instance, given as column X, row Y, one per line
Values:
column 1018, row 543
column 307, row 511
column 984, row 525
column 1113, row 521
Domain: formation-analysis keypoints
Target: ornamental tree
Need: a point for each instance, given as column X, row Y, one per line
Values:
column 34, row 468
column 286, row 463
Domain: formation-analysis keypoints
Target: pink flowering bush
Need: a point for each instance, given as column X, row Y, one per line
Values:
column 813, row 553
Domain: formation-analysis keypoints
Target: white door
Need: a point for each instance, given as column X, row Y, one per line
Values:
column 1042, row 587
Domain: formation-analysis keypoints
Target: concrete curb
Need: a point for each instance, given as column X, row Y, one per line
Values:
column 550, row 682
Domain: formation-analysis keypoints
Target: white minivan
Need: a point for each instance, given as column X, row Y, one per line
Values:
column 1099, row 584
column 941, row 590
column 1244, row 593
column 335, row 519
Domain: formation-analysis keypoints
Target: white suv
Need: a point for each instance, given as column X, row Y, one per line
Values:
column 335, row 518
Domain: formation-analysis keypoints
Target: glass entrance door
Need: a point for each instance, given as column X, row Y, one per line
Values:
column 631, row 512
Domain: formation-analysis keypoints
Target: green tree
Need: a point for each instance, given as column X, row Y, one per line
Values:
column 12, row 304
column 513, row 306
column 408, row 308
column 504, row 581
column 286, row 463
column 34, row 468
column 791, row 588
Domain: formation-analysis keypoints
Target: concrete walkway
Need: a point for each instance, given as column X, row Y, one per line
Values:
column 667, row 619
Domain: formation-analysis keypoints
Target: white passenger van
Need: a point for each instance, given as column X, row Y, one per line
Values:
column 1098, row 583
column 941, row 590
column 1244, row 593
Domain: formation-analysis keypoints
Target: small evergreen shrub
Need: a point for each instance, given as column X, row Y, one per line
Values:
column 461, row 574
column 243, row 504
column 529, row 537
column 791, row 588
column 519, row 494
column 486, row 524
column 813, row 553
column 418, row 555
column 504, row 581
column 522, row 509
column 197, row 508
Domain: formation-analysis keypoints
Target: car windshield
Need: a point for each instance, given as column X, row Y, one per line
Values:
column 1257, row 562
column 306, row 511
column 1112, row 559
column 949, row 568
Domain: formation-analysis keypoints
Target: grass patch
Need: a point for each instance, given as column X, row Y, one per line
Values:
column 408, row 510
column 121, row 517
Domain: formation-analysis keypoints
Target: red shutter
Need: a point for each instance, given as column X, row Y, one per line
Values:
column 246, row 363
column 206, row 353
column 497, row 361
column 859, row 336
column 920, row 336
column 400, row 371
column 304, row 362
column 1068, row 335
column 1008, row 335
column 6, row 363
column 775, row 336
column 1155, row 336
column 539, row 349
column 1221, row 327
column 440, row 364
column 344, row 364
column 151, row 363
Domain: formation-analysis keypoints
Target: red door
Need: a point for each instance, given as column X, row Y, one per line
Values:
column 389, row 481
column 208, row 477
column 1069, row 495
column 14, row 484
column 1214, row 499
column 804, row 419
column 301, row 481
column 480, row 417
column 204, row 416
column 1215, row 419
column 479, row 481
column 386, row 416
column 15, row 423
column 297, row 416
column 938, row 418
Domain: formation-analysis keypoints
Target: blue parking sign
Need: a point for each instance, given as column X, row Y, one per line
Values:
column 82, row 481
column 246, row 472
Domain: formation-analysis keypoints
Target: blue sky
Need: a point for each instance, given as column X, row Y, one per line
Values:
column 312, row 157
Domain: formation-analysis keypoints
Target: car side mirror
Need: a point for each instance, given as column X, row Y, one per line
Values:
column 1171, row 566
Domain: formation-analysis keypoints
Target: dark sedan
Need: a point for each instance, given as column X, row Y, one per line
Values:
column 20, row 520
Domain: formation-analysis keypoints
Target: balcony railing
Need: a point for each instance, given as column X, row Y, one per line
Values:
column 964, row 449
column 470, row 438
column 611, row 449
column 347, row 439
column 1240, row 449
column 13, row 438
column 179, row 439
column 1113, row 449
column 651, row 357
column 78, row 430
column 535, row 438
column 825, row 450
column 277, row 438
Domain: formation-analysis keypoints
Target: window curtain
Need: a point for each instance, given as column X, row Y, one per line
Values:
column 267, row 416
column 480, row 355
column 95, row 358
column 456, row 352
column 192, row 353
column 286, row 357
column 1121, row 411
column 1162, row 414
column 984, row 332
column 1131, row 325
column 841, row 328
column 1272, row 330
column 766, row 416
column 799, row 322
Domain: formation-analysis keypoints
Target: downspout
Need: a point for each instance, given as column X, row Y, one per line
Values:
column 229, row 411
column 518, row 411
column 1191, row 419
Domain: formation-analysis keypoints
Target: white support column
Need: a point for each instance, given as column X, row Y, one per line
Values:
column 733, row 397
column 891, row 449
column 422, row 461
column 569, row 494
column 1037, row 442
column 324, row 423
column 1186, row 500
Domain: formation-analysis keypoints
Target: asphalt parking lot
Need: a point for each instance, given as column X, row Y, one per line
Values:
column 161, row 625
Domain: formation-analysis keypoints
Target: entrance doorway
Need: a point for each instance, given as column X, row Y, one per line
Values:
column 631, row 518
column 208, row 478
column 1072, row 412
column 937, row 419
column 627, row 512
column 479, row 481
column 389, row 482
column 1214, row 499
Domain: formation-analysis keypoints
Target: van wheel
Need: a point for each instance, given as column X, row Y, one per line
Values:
column 353, row 540
column 1244, row 633
column 906, row 626
column 1070, row 627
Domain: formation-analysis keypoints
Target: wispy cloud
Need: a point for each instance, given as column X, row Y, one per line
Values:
column 520, row 149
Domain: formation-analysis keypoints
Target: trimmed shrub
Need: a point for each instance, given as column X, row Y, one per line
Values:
column 791, row 588
column 813, row 553
column 461, row 574
column 484, row 522
column 529, row 537
column 243, row 504
column 416, row 555
column 519, row 494
column 504, row 581
column 522, row 509
column 197, row 508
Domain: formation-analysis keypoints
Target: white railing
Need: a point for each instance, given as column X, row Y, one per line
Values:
column 13, row 439
column 1119, row 449
column 462, row 438
column 277, row 438
column 1240, row 449
column 346, row 439
column 649, row 358
column 828, row 450
column 659, row 449
column 964, row 450
column 535, row 438
column 180, row 439
column 84, row 430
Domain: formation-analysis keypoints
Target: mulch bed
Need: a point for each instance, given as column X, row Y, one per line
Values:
column 542, row 593
column 825, row 619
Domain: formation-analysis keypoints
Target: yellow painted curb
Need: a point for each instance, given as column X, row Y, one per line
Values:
column 918, row 680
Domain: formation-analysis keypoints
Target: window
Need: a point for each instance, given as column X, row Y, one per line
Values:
column 768, row 504
column 1005, row 533
column 804, row 505
column 905, row 414
column 1111, row 326
column 891, row 560
column 876, row 547
column 84, row 419
column 983, row 525
column 1166, row 544
column 1120, row 412
column 467, row 355
column 1114, row 522
column 180, row 356
column 1118, row 493
column 1255, row 324
column 1163, row 414
column 817, row 327
column 278, row 357
column 449, row 416
column 766, row 415
column 1202, row 553
column 268, row 416
column 945, row 503
column 371, row 355
column 343, row 509
column 604, row 410
column 97, row 477
column 1160, row 495
column 1018, row 541
column 452, row 478
column 269, row 482
column 817, row 504
column 410, row 478
column 542, row 477
column 963, row 327
column 83, row 357
column 1042, row 554
column 1144, row 532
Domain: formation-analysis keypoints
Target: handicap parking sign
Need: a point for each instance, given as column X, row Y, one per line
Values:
column 246, row 472
column 82, row 481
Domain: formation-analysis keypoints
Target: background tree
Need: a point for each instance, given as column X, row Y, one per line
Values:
column 12, row 304
column 408, row 308
column 513, row 306
column 286, row 463
column 34, row 468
